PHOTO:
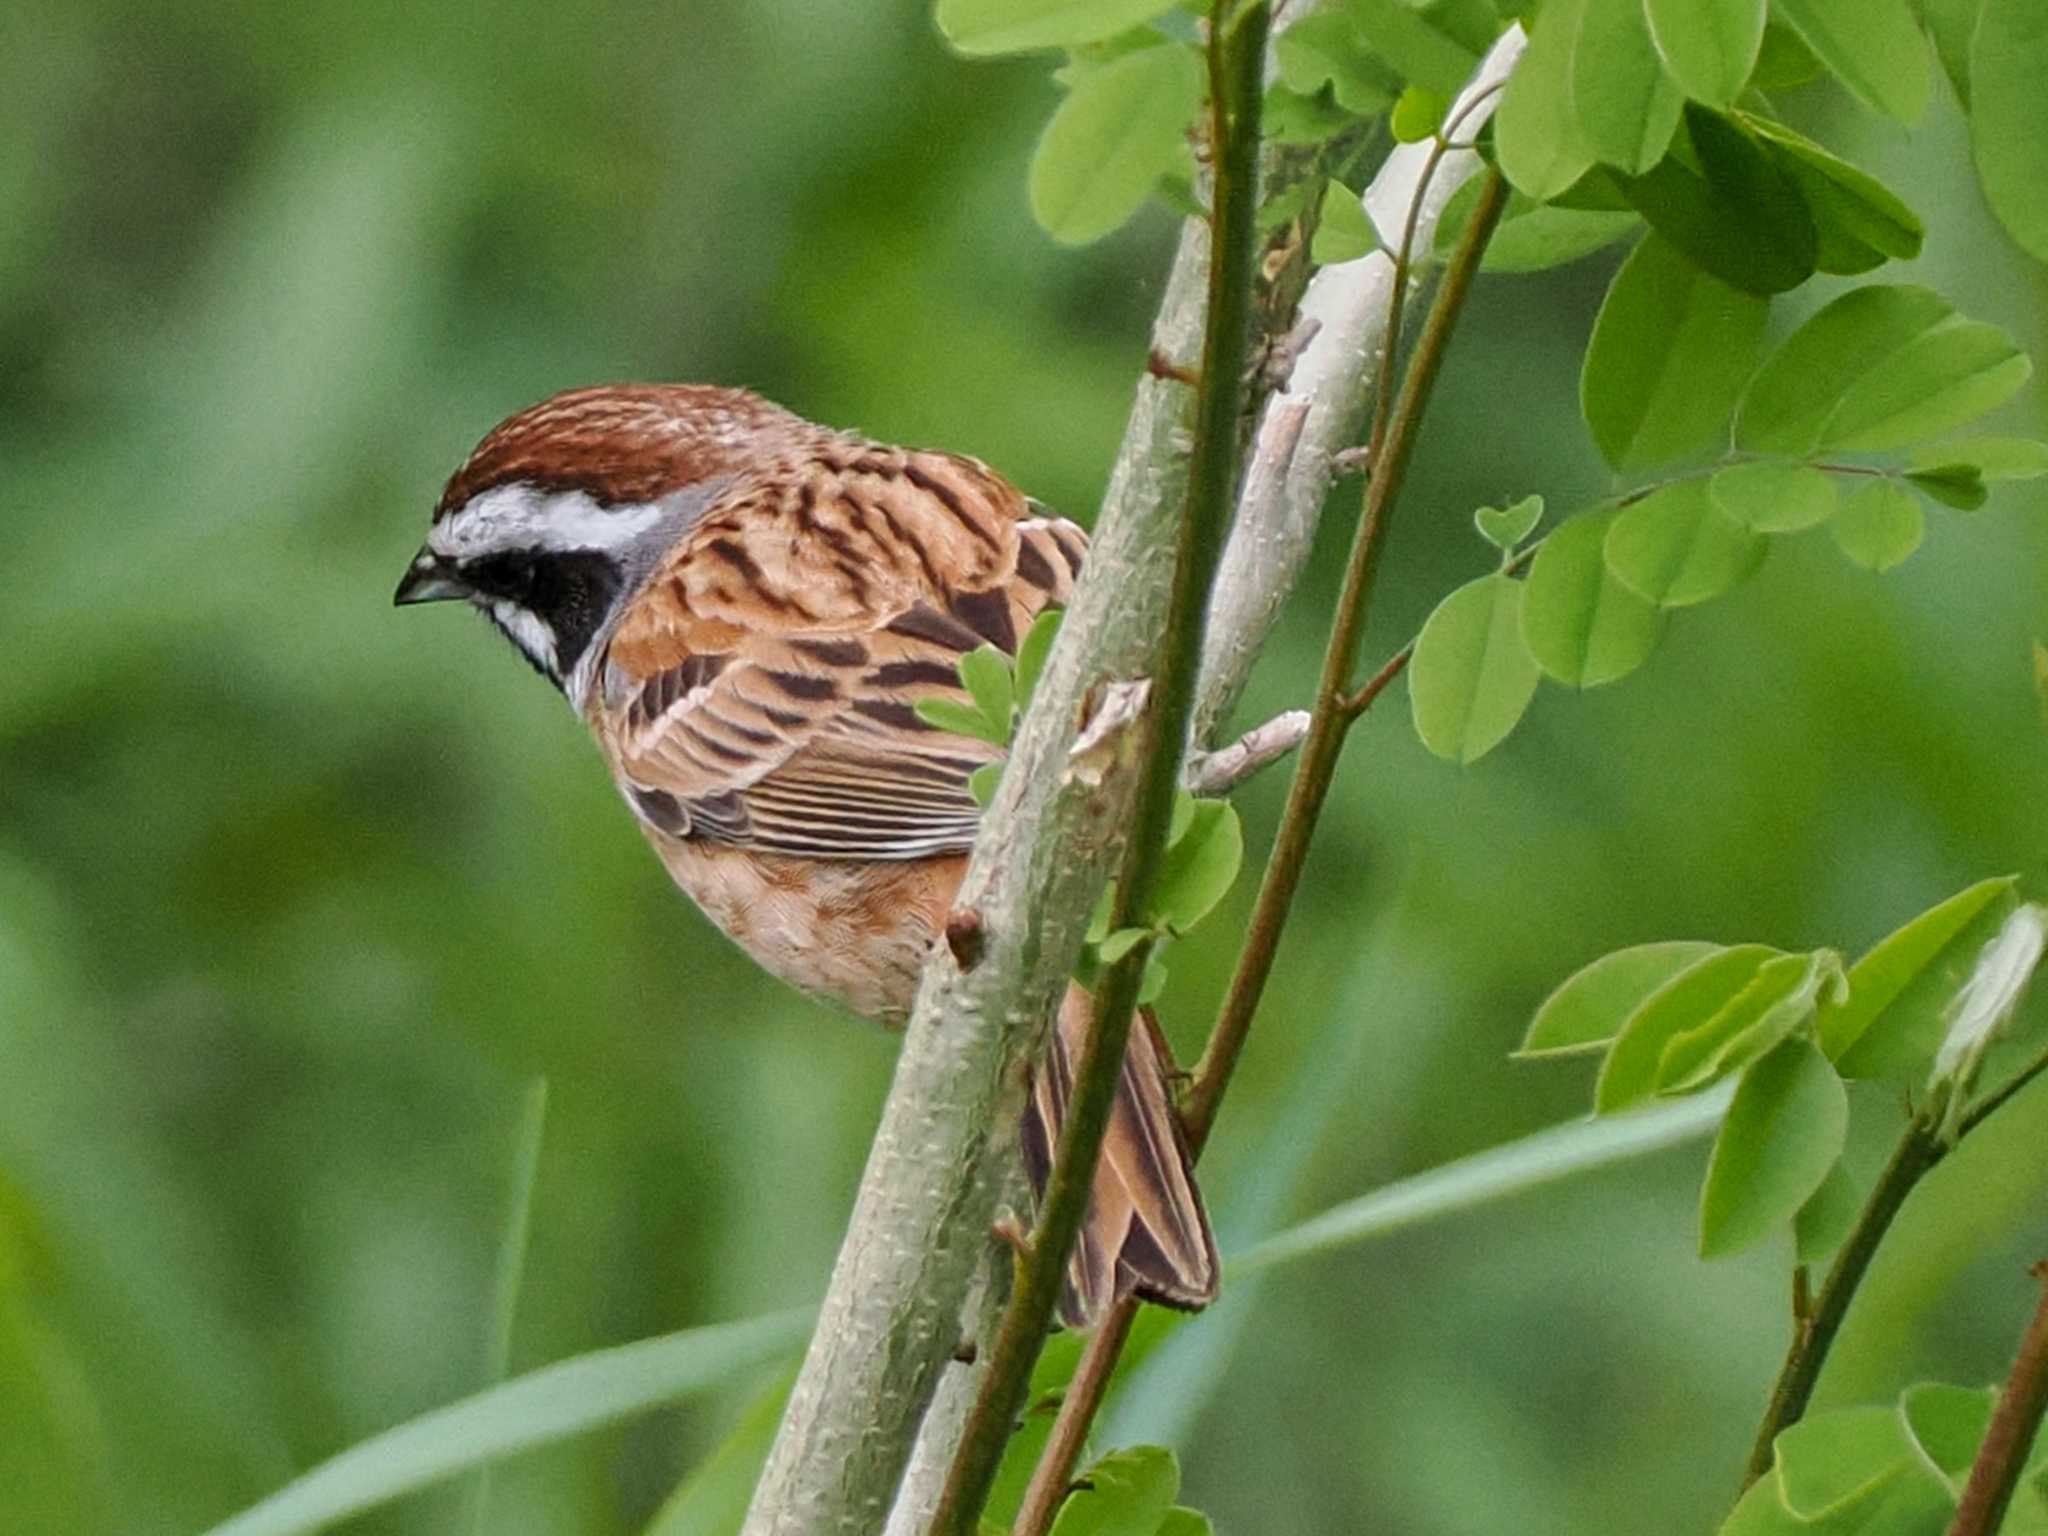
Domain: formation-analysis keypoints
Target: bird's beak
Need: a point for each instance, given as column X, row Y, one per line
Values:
column 429, row 579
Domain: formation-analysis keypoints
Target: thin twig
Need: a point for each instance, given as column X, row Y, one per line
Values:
column 1319, row 752
column 1052, row 1477
column 1236, row 54
column 1221, row 771
column 2010, row 1435
column 1916, row 1154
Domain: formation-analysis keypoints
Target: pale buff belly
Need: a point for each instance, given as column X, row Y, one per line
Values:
column 853, row 933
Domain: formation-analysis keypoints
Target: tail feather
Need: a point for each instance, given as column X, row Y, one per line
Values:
column 1145, row 1232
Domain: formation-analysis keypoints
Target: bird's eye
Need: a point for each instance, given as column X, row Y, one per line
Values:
column 508, row 575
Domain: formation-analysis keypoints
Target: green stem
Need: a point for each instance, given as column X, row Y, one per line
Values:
column 1236, row 54
column 1333, row 715
column 1916, row 1154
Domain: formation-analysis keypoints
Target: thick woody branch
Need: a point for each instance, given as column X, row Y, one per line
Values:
column 892, row 1316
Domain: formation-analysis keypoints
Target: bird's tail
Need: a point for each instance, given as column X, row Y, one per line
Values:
column 1145, row 1232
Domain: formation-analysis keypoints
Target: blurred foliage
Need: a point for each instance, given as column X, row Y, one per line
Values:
column 296, row 893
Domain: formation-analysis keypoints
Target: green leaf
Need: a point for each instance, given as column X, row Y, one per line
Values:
column 712, row 1500
column 1471, row 677
column 1671, row 350
column 1830, row 1211
column 1952, row 25
column 1994, row 458
column 1182, row 1521
column 1855, row 1470
column 1014, row 26
column 1879, row 526
column 539, row 1408
column 1787, row 405
column 1126, row 1493
column 961, row 719
column 1199, row 870
column 1153, row 982
column 1505, row 527
column 1327, row 47
column 1121, row 128
column 1419, row 51
column 1115, row 946
column 1183, row 816
column 1872, row 46
column 986, row 673
column 1290, row 117
column 1626, row 105
column 1497, row 1173
column 1580, row 623
column 1784, row 62
column 1588, row 1009
column 1629, row 1074
column 1676, row 547
column 1898, row 991
column 1343, row 232
column 1783, row 1132
column 1936, row 382
column 1737, row 185
column 1774, row 498
column 1536, row 133
column 1032, row 651
column 1780, row 998
column 1709, row 46
column 1954, row 485
column 983, row 782
column 1859, row 220
column 1417, row 115
column 1948, row 1424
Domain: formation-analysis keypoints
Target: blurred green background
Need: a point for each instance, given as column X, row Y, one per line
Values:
column 297, row 893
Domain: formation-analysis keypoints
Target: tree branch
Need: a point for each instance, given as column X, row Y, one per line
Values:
column 1236, row 54
column 892, row 1316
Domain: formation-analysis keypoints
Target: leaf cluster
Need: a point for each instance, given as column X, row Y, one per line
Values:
column 1674, row 1018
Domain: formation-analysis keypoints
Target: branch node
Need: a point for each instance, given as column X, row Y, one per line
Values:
column 965, row 937
column 1160, row 366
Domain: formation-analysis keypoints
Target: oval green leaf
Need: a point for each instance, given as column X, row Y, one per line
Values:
column 1472, row 677
column 1014, row 26
column 1879, row 526
column 1774, row 498
column 1629, row 1074
column 1677, row 548
column 1948, row 1425
column 1788, row 403
column 1407, row 38
column 1861, row 221
column 986, row 672
column 1780, row 998
column 1901, row 986
column 1327, row 48
column 1735, row 185
column 1709, row 46
column 1826, row 1217
column 1589, row 1007
column 1532, row 237
column 1671, row 350
column 1936, row 382
column 1853, row 1469
column 1783, row 1133
column 2009, row 117
column 1994, row 458
column 1505, row 527
column 1953, row 485
column 1199, row 869
column 1580, row 623
column 1542, row 152
column 1126, row 1493
column 1627, row 107
column 1121, row 128
column 1873, row 47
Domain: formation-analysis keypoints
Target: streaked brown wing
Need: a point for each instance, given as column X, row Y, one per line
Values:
column 762, row 691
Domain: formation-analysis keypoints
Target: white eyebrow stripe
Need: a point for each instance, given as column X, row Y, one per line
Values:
column 520, row 515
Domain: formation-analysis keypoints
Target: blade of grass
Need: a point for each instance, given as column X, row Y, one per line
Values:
column 533, row 1115
column 542, row 1406
column 1528, row 1163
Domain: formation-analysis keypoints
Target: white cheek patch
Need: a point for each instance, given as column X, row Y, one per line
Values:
column 527, row 632
column 524, row 517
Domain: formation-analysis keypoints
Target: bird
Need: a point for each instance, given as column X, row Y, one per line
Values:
column 746, row 608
